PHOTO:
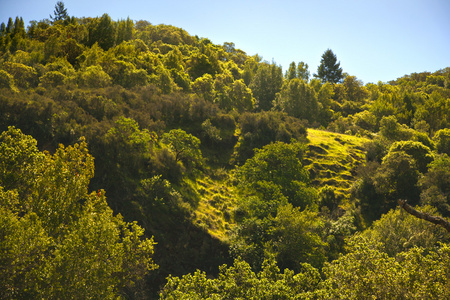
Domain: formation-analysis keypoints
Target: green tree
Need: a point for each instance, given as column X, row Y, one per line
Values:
column 297, row 99
column 280, row 164
column 7, row 80
column 94, row 76
column 354, row 89
column 102, row 31
column 293, row 236
column 435, row 111
column 397, row 178
column 398, row 231
column 302, row 71
column 329, row 69
column 442, row 140
column 185, row 147
column 52, row 79
column 9, row 26
column 202, row 61
column 125, row 30
column 24, row 76
column 367, row 273
column 291, row 73
column 265, row 84
column 419, row 152
column 435, row 185
column 240, row 282
column 260, row 129
column 296, row 238
column 60, row 12
column 394, row 131
column 204, row 87
column 250, row 68
column 57, row 240
column 241, row 97
column 19, row 28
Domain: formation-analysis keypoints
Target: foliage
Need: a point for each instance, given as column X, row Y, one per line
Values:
column 144, row 96
column 366, row 273
column 442, row 140
column 240, row 282
column 260, row 129
column 397, row 177
column 298, row 100
column 266, row 83
column 354, row 89
column 102, row 31
column 420, row 153
column 185, row 147
column 58, row 241
column 300, row 71
column 329, row 69
column 6, row 80
column 435, row 185
column 269, row 180
column 392, row 130
column 293, row 236
column 398, row 231
column 279, row 164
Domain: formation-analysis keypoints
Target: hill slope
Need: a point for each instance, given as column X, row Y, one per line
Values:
column 332, row 159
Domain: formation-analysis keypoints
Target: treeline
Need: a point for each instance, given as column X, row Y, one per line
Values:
column 172, row 118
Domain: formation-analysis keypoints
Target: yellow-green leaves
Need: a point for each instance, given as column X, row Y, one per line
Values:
column 57, row 241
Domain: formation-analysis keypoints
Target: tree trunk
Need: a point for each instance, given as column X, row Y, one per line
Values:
column 424, row 216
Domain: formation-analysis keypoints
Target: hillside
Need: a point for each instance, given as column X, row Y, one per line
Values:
column 170, row 155
column 333, row 158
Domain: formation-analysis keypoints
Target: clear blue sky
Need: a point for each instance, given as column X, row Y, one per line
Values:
column 374, row 40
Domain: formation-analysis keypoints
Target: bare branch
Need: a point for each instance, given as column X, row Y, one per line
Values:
column 424, row 216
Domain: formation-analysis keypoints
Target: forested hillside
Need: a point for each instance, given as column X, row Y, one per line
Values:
column 140, row 161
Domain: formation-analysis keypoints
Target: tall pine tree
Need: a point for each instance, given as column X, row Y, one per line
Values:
column 60, row 12
column 329, row 69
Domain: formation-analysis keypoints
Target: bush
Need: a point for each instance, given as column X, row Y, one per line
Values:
column 442, row 140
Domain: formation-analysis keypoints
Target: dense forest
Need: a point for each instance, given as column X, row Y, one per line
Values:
column 138, row 161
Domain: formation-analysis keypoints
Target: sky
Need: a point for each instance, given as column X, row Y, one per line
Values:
column 378, row 40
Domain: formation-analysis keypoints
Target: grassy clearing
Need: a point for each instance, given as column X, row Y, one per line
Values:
column 332, row 159
column 215, row 209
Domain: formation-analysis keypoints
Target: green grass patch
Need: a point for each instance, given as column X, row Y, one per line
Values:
column 215, row 208
column 332, row 159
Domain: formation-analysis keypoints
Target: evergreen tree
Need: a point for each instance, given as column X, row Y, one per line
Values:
column 10, row 26
column 329, row 69
column 60, row 12
column 102, row 31
column 292, row 72
column 125, row 30
column 302, row 71
column 19, row 27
